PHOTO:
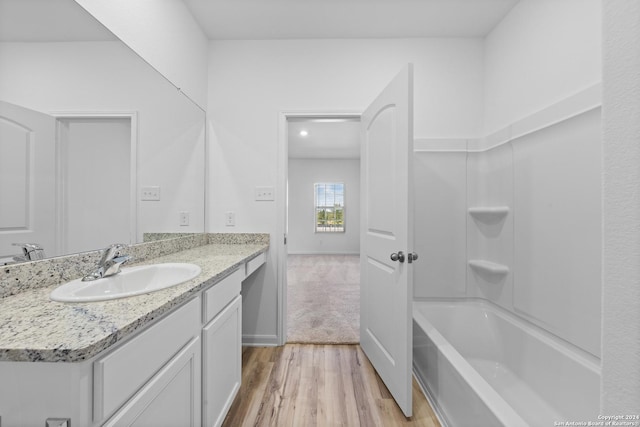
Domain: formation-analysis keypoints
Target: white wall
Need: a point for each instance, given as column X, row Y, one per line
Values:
column 490, row 184
column 558, row 232
column 303, row 174
column 108, row 77
column 251, row 82
column 621, row 186
column 549, row 239
column 440, row 224
column 540, row 53
column 163, row 33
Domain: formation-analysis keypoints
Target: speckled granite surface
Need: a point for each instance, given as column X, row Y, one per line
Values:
column 239, row 238
column 33, row 328
column 152, row 237
column 21, row 277
column 17, row 278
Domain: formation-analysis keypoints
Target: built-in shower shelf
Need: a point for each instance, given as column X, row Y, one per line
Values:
column 488, row 266
column 489, row 212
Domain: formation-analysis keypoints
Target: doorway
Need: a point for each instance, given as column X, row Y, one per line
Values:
column 322, row 264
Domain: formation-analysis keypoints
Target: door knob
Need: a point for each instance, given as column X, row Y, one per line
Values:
column 412, row 256
column 397, row 256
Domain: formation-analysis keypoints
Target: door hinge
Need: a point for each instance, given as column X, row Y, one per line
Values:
column 285, row 239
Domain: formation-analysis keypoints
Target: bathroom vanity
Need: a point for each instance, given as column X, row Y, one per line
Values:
column 171, row 357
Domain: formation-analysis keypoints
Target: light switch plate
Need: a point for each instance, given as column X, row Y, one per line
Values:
column 265, row 193
column 230, row 219
column 184, row 218
column 150, row 193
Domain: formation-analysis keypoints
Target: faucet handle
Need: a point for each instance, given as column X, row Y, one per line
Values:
column 31, row 251
column 117, row 246
column 110, row 262
column 27, row 247
column 112, row 251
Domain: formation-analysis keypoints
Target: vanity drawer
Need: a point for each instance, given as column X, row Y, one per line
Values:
column 121, row 373
column 222, row 293
column 253, row 264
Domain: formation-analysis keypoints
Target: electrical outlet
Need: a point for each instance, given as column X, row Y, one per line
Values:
column 230, row 219
column 184, row 218
column 150, row 193
column 265, row 193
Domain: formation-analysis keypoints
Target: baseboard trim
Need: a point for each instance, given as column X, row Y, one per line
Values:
column 323, row 253
column 260, row 340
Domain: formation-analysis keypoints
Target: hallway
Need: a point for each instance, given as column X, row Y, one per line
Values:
column 323, row 299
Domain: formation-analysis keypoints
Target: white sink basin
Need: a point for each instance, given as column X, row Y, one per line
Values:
column 130, row 281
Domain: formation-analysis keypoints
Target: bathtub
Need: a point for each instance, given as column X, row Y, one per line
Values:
column 479, row 365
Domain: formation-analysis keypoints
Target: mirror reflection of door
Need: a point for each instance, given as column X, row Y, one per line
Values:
column 27, row 186
column 95, row 176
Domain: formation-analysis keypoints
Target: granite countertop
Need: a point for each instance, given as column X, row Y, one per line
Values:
column 36, row 329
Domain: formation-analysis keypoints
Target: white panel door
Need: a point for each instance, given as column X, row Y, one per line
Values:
column 95, row 174
column 27, row 179
column 387, row 284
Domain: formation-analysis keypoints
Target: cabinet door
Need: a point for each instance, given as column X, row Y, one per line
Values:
column 222, row 367
column 170, row 398
column 119, row 375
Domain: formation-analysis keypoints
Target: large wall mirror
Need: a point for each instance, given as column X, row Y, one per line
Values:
column 96, row 147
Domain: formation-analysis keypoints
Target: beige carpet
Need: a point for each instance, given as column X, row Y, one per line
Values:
column 323, row 299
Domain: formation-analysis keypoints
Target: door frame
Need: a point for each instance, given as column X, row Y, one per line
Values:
column 281, row 203
column 133, row 166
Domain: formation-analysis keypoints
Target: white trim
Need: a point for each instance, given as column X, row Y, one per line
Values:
column 207, row 174
column 440, row 144
column 260, row 341
column 281, row 206
column 571, row 106
column 324, row 253
column 433, row 402
column 565, row 109
column 133, row 165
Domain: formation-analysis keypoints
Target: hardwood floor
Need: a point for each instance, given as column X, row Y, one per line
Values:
column 318, row 385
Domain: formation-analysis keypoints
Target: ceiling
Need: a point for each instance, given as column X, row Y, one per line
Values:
column 65, row 20
column 302, row 19
column 308, row 19
column 48, row 21
column 326, row 139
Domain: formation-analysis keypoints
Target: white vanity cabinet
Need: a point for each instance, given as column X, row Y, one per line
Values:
column 184, row 369
column 154, row 376
column 170, row 398
column 221, row 348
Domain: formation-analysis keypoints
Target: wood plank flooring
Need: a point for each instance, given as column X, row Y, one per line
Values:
column 318, row 385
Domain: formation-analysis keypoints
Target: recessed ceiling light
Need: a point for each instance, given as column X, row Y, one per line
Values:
column 304, row 133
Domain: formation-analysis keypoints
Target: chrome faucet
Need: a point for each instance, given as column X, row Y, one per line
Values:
column 110, row 263
column 30, row 252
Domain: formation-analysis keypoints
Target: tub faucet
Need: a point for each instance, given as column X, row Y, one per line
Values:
column 110, row 263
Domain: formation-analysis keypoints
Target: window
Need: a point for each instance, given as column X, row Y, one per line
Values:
column 329, row 207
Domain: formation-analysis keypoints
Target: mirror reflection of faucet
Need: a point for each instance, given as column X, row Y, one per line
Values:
column 110, row 263
column 30, row 252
